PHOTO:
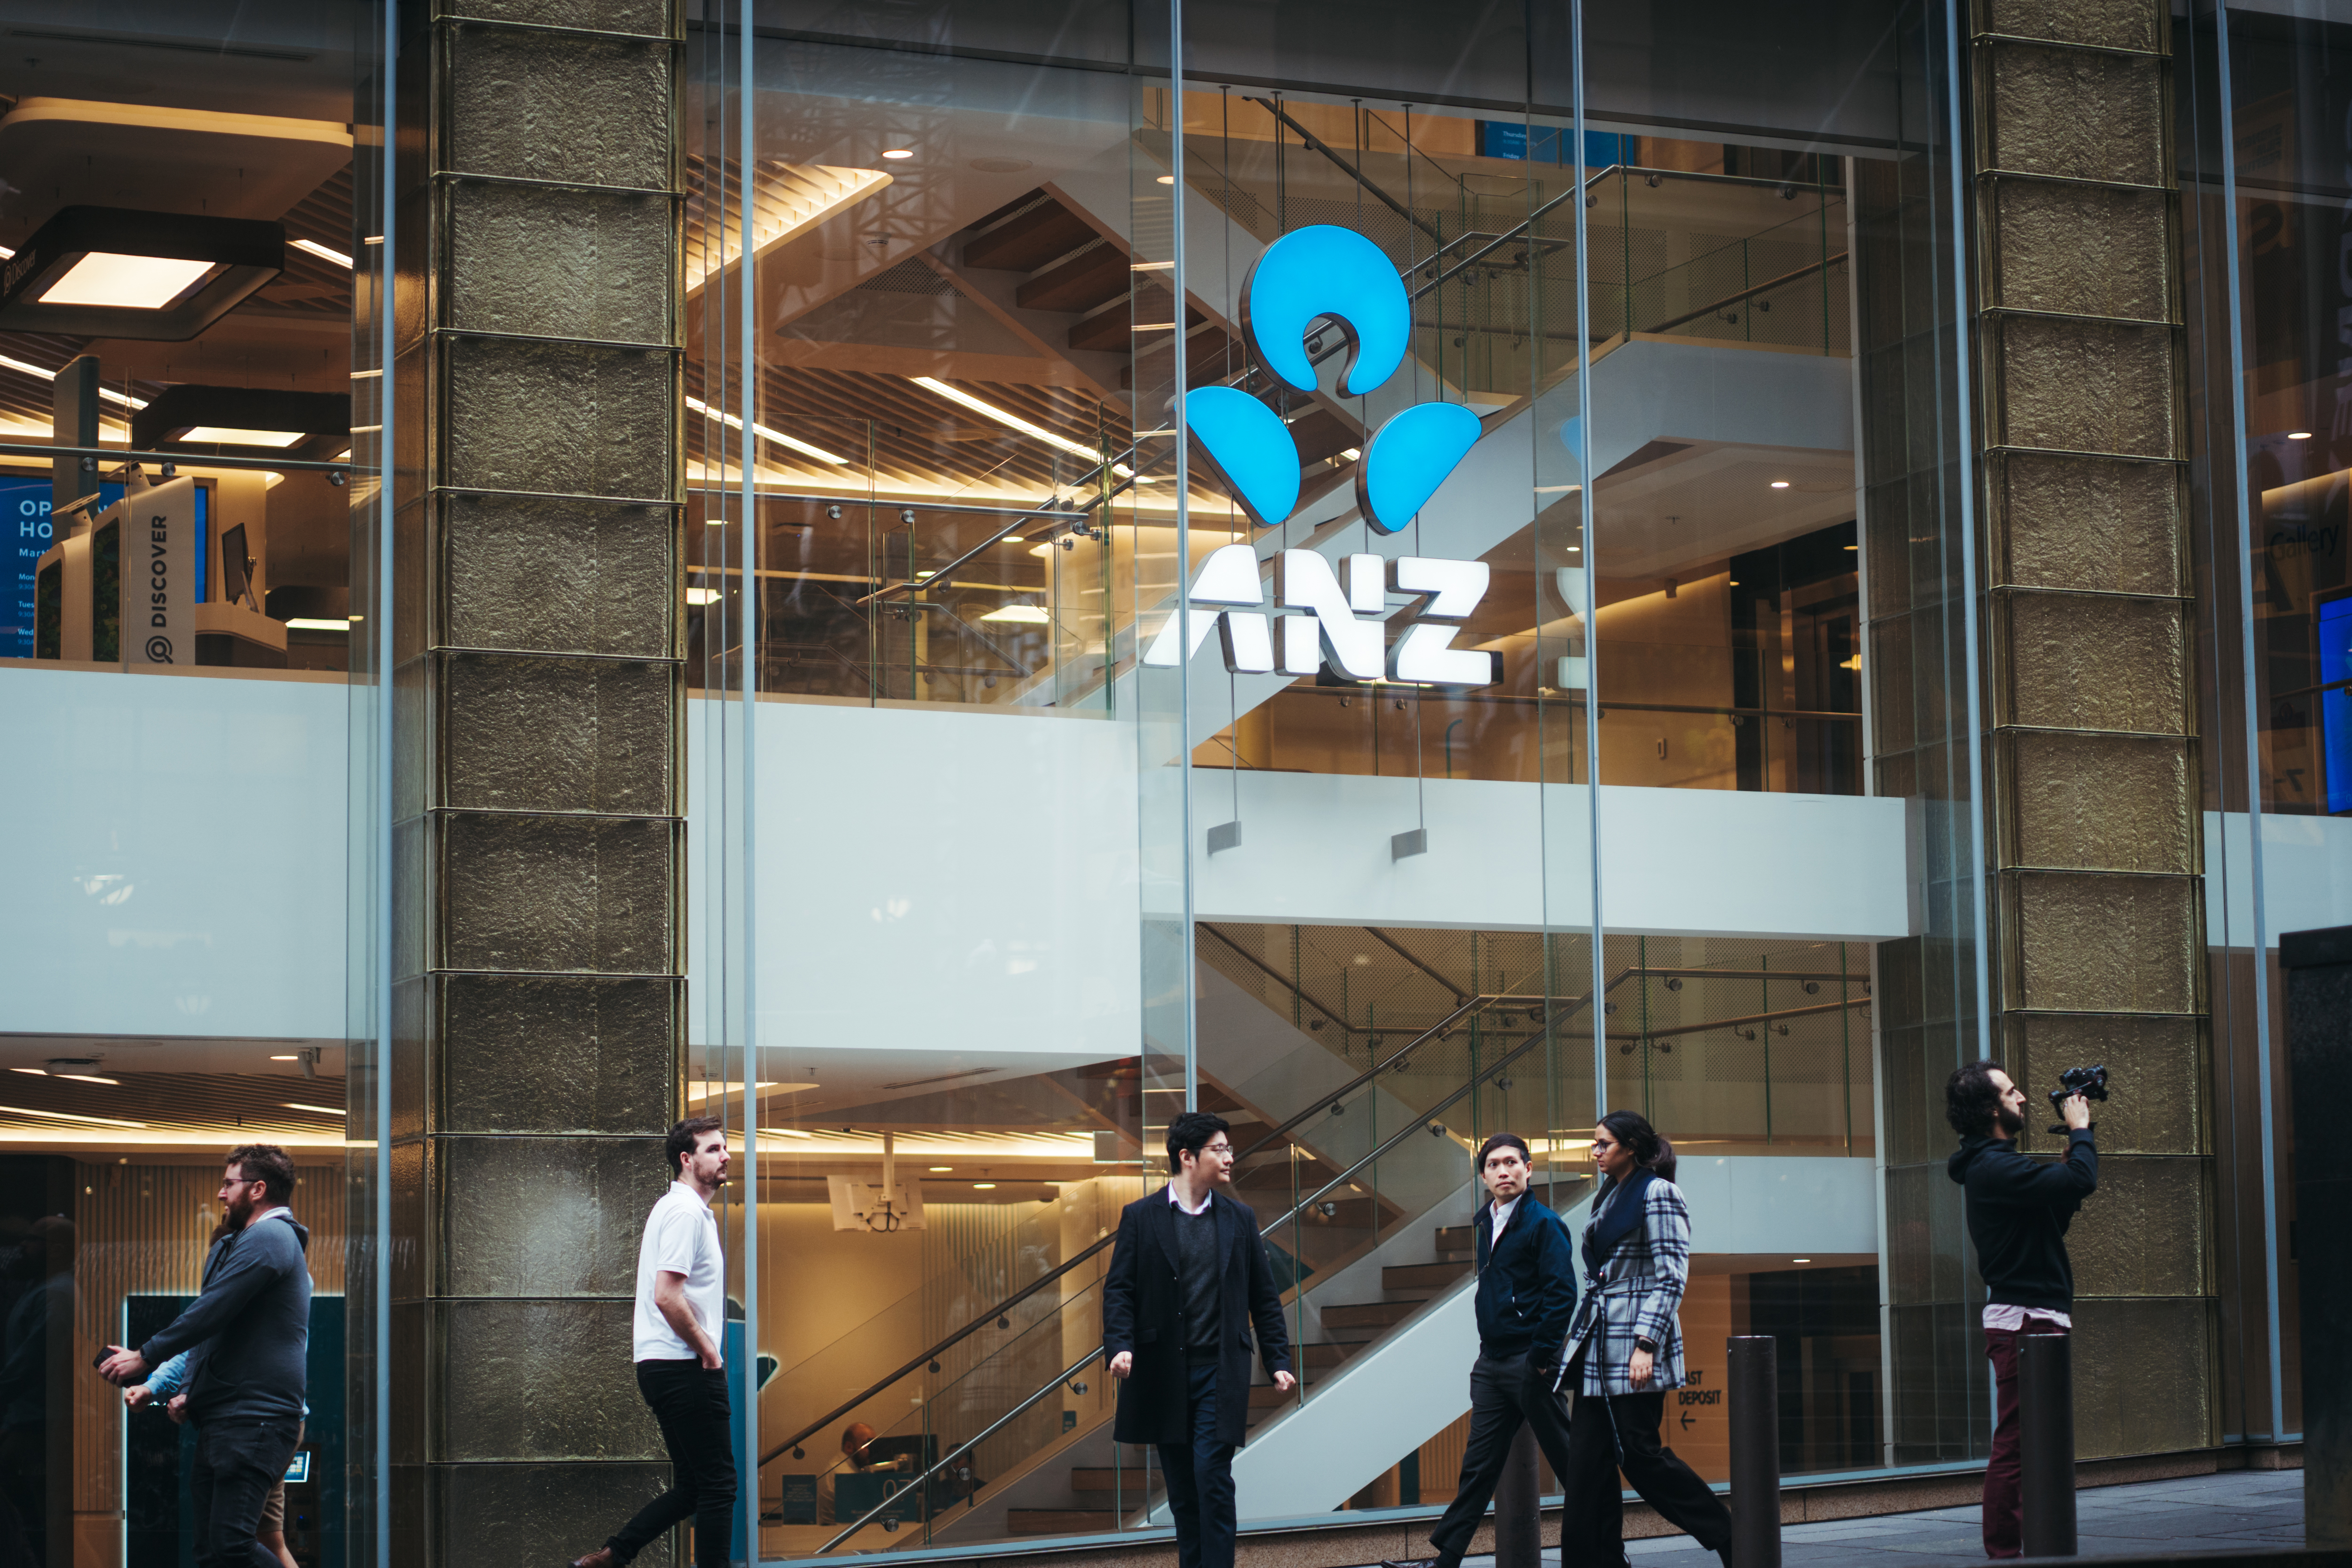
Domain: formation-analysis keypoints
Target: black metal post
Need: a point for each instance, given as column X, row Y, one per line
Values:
column 2045, row 1420
column 1755, row 1452
column 1519, row 1532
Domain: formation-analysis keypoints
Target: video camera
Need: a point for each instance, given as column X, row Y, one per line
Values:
column 2091, row 1083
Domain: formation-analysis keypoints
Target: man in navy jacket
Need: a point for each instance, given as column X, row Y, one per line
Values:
column 250, row 1330
column 1527, row 1293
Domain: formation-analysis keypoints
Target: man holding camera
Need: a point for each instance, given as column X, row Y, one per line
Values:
column 2018, row 1210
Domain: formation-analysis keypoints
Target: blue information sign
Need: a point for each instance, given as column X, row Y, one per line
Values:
column 25, row 507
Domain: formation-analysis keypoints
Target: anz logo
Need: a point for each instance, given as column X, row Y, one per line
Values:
column 1307, row 275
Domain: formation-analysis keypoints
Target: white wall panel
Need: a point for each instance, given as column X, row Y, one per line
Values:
column 176, row 855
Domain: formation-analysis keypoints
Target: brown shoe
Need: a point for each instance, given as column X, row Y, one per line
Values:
column 601, row 1558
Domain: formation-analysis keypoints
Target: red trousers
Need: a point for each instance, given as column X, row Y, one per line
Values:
column 2004, row 1513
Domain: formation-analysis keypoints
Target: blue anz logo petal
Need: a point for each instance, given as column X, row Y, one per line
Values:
column 1408, row 458
column 1247, row 445
column 1324, row 270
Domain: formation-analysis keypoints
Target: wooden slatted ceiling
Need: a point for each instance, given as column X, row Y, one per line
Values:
column 226, row 1108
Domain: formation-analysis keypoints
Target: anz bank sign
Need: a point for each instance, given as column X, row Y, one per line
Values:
column 1322, row 619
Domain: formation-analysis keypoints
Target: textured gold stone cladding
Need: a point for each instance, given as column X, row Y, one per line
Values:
column 2156, row 1066
column 2083, row 661
column 2096, row 803
column 2144, row 1371
column 2100, row 24
column 2074, row 114
column 2085, row 943
column 2086, row 250
column 2083, row 385
column 2101, row 525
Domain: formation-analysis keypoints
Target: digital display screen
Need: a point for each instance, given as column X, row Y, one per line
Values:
column 25, row 506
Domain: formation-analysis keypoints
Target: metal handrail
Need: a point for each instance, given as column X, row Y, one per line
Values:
column 1554, row 1018
column 1807, row 270
column 997, row 1312
column 194, row 459
column 1323, row 1102
column 940, row 576
column 874, row 1512
column 1421, row 1121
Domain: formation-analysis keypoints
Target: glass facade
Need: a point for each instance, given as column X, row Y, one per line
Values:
column 1390, row 575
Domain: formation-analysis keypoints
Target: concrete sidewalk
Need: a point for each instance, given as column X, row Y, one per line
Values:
column 2235, row 1511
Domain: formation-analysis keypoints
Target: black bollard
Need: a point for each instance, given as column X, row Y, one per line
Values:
column 2045, row 1420
column 1755, row 1452
column 1518, row 1531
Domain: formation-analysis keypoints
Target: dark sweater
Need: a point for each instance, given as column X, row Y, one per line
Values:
column 2018, row 1209
column 1527, row 1283
column 250, row 1328
column 1202, row 1279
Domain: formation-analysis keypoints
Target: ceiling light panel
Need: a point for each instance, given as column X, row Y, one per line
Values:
column 116, row 272
column 126, row 282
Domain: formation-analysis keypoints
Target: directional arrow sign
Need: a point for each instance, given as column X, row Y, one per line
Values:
column 1686, row 1420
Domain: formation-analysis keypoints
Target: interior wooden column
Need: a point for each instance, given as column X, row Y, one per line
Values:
column 2096, row 909
column 538, row 841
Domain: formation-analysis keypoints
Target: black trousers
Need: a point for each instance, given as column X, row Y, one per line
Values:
column 237, row 1461
column 1201, row 1480
column 1621, row 1433
column 1504, row 1391
column 689, row 1400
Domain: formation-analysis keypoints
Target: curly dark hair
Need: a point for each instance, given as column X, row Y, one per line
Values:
column 1972, row 1100
column 1652, row 1151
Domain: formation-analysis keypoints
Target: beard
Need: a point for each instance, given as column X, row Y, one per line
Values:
column 2009, row 1122
column 240, row 1210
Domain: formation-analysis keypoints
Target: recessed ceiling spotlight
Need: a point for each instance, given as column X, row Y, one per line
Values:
column 286, row 1059
column 1167, row 179
column 1779, row 484
column 935, row 1170
column 701, row 596
column 1801, row 1260
column 2298, row 435
column 984, row 1186
column 897, row 152
column 1013, row 539
column 1853, row 547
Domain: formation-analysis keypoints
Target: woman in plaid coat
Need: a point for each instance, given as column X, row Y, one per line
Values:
column 1625, row 1351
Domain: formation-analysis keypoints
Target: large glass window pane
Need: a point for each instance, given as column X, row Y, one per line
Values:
column 187, row 448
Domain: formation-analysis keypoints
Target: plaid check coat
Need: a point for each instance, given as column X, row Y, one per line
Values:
column 1636, row 1293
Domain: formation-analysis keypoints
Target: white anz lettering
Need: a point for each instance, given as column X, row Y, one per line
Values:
column 1227, row 595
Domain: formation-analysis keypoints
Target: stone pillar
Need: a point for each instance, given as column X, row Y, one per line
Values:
column 538, row 844
column 2097, row 914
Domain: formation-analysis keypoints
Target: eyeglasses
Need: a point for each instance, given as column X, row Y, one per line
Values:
column 1216, row 1149
column 1602, row 1145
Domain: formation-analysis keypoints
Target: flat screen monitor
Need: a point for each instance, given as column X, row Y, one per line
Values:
column 233, row 561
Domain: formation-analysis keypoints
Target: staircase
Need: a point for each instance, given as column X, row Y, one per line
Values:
column 1107, row 1497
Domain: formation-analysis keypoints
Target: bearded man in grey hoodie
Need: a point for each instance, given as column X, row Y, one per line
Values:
column 250, row 1334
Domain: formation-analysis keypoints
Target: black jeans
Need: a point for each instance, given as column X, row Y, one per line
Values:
column 1201, row 1480
column 1504, row 1391
column 237, row 1461
column 1621, row 1432
column 689, row 1400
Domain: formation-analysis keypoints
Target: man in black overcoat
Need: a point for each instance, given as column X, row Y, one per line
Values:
column 1188, row 1281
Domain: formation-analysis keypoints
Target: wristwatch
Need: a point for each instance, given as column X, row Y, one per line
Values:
column 1648, row 1345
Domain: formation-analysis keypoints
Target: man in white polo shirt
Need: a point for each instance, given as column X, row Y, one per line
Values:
column 681, row 1307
